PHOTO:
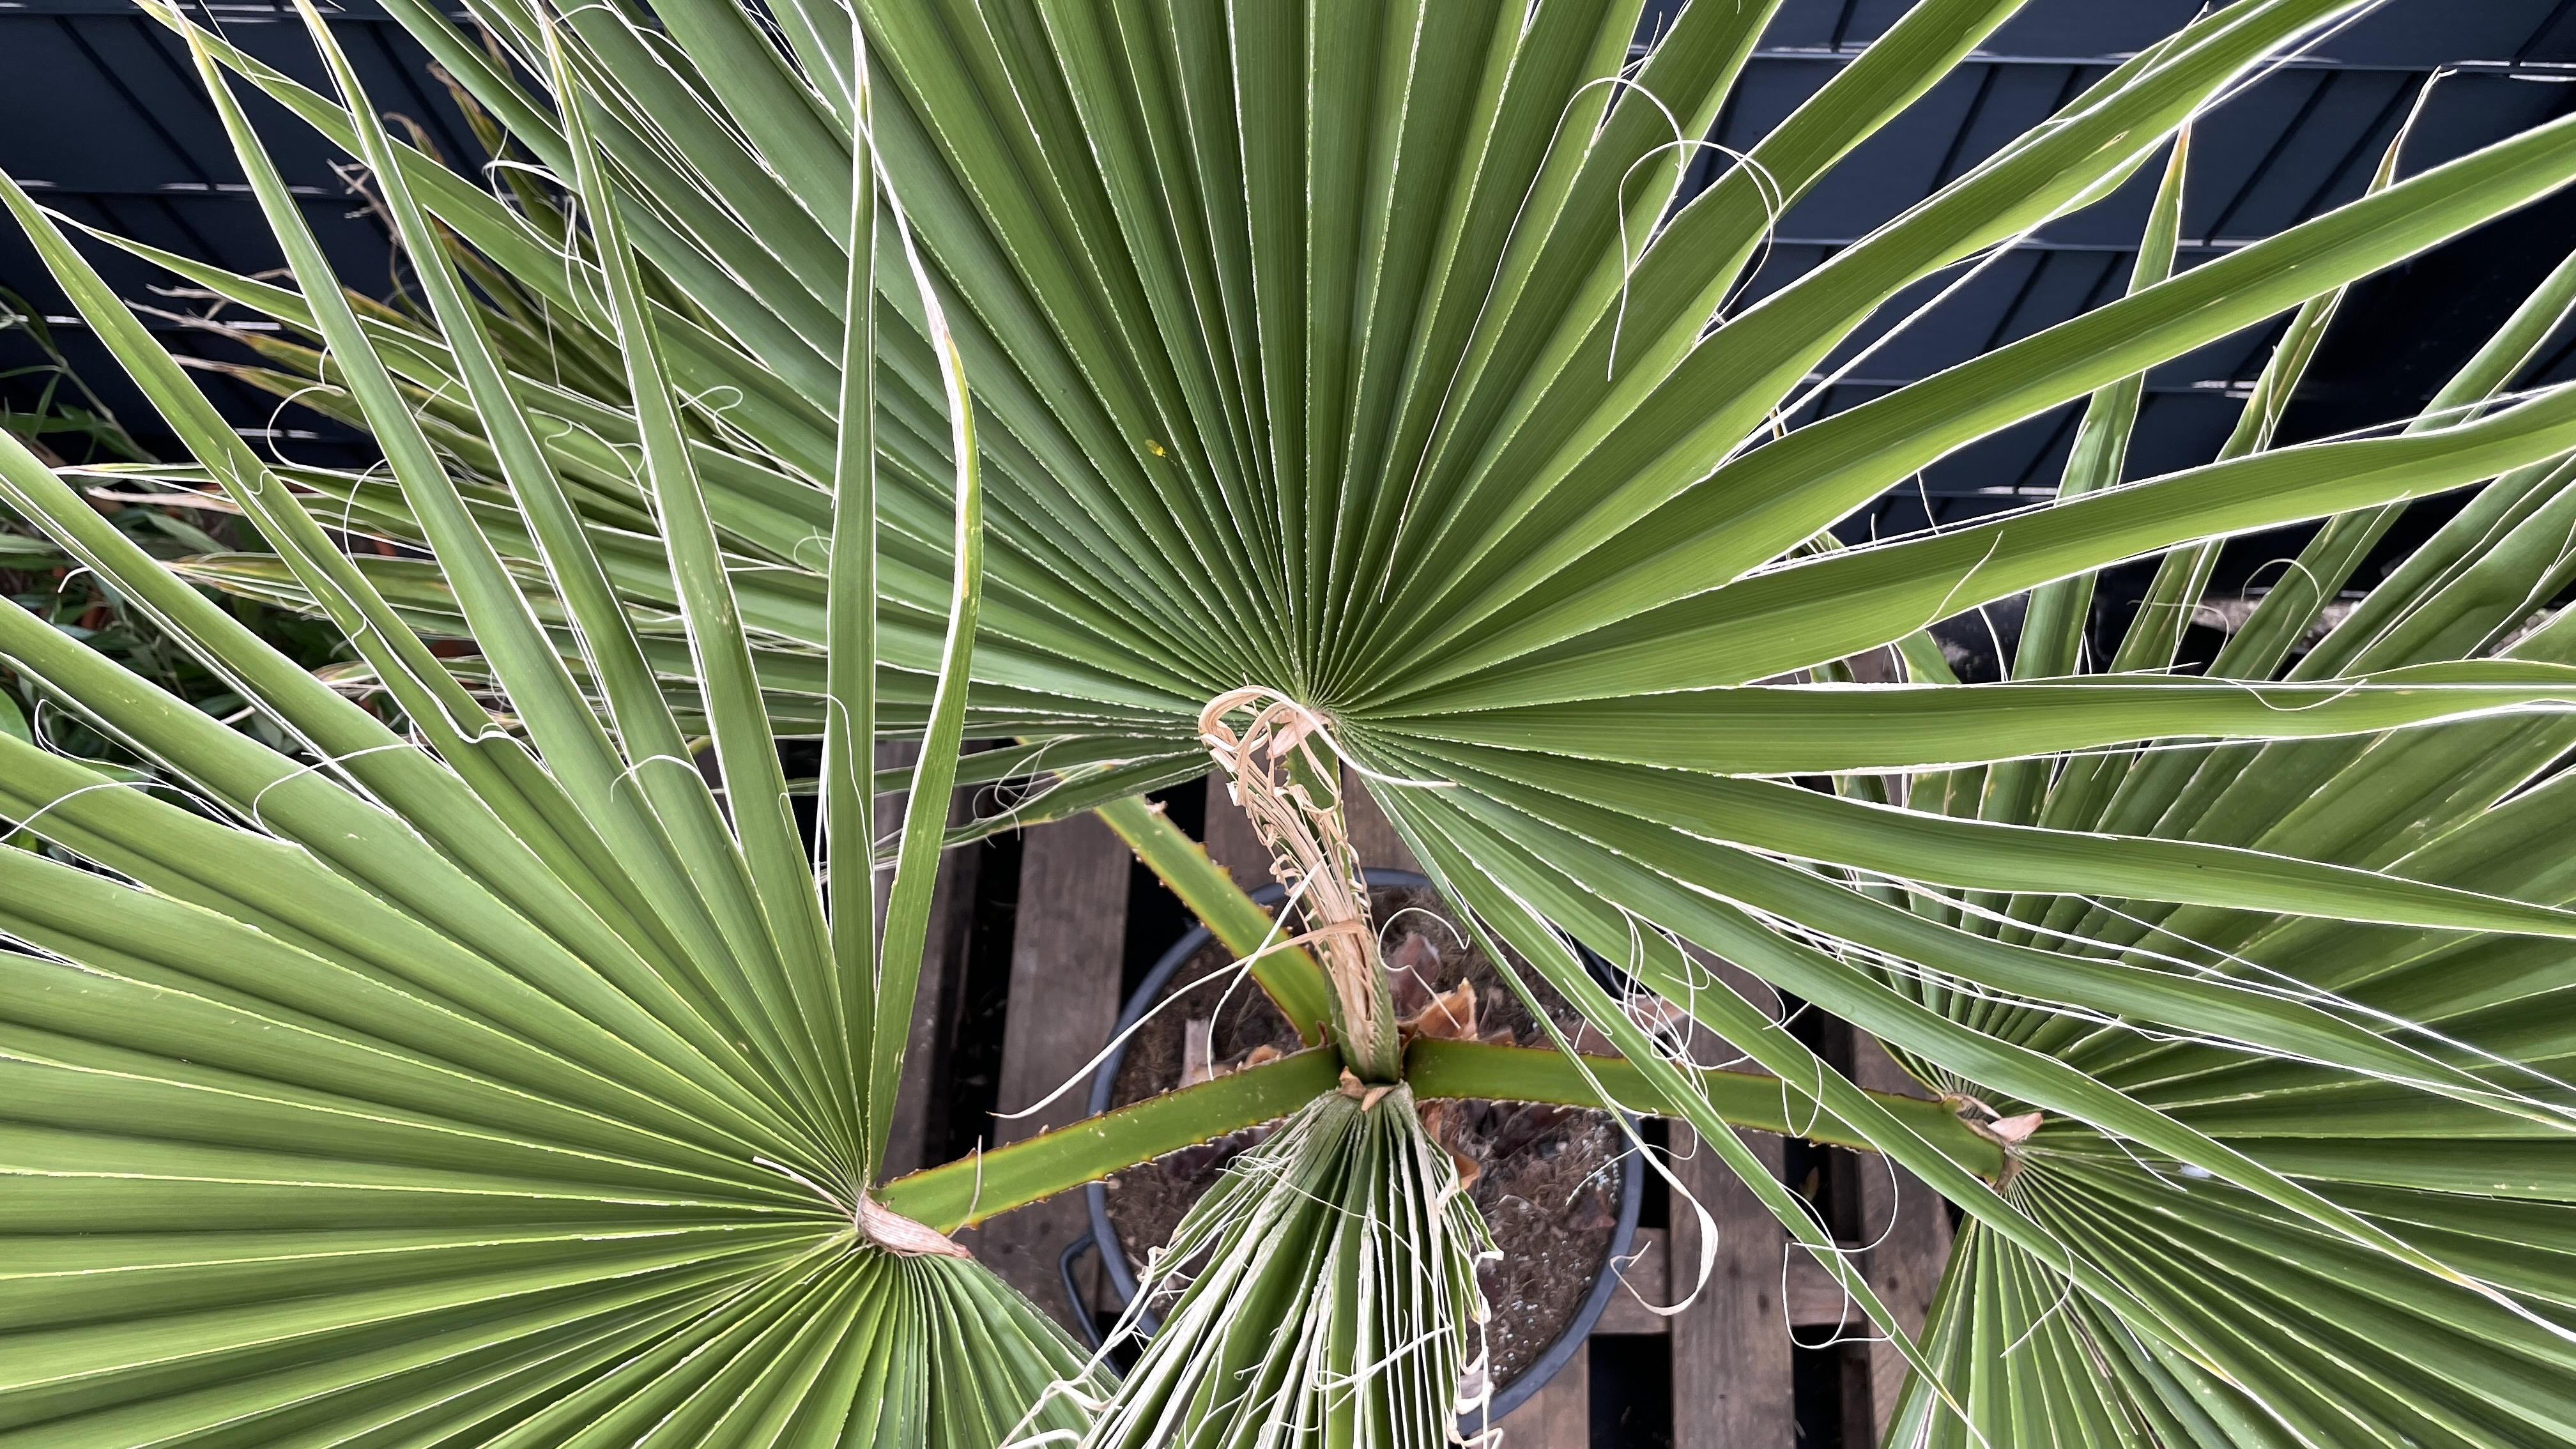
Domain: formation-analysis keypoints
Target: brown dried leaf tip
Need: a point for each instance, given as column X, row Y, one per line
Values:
column 1440, row 1121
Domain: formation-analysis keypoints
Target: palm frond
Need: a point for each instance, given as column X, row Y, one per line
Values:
column 413, row 1087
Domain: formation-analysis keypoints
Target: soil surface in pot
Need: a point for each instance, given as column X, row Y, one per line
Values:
column 1544, row 1182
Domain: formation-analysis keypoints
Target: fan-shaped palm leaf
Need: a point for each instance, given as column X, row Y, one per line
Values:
column 409, row 1092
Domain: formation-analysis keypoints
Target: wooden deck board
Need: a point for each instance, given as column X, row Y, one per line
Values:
column 1731, row 1368
column 1910, row 1226
column 1559, row 1415
column 1067, row 949
column 1231, row 841
column 1372, row 834
column 1816, row 1301
column 943, row 969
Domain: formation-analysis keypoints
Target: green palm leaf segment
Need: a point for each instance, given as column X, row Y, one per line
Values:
column 1365, row 353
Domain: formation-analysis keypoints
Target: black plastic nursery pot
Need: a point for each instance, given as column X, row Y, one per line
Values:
column 1628, row 1190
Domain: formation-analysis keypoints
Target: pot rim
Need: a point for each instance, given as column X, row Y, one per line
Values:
column 1113, row 1256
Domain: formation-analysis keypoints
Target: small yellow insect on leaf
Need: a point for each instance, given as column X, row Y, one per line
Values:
column 1154, row 448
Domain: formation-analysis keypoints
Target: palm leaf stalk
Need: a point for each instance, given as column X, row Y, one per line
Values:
column 1370, row 358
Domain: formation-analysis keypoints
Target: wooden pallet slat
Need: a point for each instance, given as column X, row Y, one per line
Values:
column 1732, row 1383
column 943, row 970
column 1816, row 1303
column 1068, row 946
column 1230, row 839
column 1372, row 834
column 1908, row 1227
column 1559, row 1415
